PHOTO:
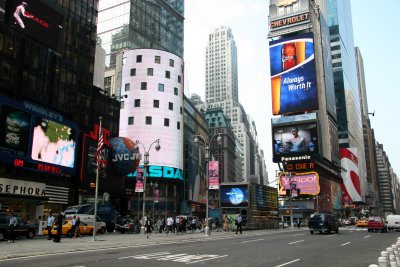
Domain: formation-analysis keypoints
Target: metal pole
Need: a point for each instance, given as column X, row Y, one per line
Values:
column 142, row 228
column 207, row 228
column 97, row 188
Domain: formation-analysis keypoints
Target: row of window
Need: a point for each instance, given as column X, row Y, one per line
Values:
column 156, row 104
column 143, row 86
column 157, row 59
column 150, row 72
column 149, row 121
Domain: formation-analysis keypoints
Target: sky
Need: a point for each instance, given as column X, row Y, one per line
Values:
column 375, row 34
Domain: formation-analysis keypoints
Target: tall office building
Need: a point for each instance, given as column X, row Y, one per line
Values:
column 222, row 91
column 385, row 181
column 131, row 24
column 349, row 117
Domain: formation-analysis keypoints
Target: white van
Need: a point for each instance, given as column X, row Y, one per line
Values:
column 85, row 217
column 393, row 222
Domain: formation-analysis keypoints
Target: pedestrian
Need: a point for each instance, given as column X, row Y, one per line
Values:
column 78, row 229
column 238, row 222
column 59, row 223
column 11, row 226
column 170, row 223
column 298, row 223
column 73, row 228
column 148, row 227
column 50, row 223
column 226, row 223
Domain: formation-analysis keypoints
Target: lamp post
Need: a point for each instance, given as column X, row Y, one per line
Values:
column 153, row 186
column 207, row 157
column 146, row 163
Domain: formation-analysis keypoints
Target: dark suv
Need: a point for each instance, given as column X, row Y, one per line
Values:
column 23, row 229
column 323, row 223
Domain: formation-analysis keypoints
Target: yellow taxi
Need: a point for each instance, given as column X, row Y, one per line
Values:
column 362, row 223
column 67, row 229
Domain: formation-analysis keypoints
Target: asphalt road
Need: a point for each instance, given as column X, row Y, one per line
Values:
column 348, row 248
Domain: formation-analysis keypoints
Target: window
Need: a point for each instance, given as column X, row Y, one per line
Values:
column 122, row 106
column 137, row 103
column 181, row 109
column 179, row 79
column 175, row 91
column 171, row 62
column 166, row 122
column 130, row 120
column 171, row 106
column 167, row 74
column 143, row 86
column 139, row 58
column 178, row 125
column 148, row 120
column 149, row 71
column 127, row 87
column 156, row 103
column 161, row 87
column 157, row 59
column 133, row 72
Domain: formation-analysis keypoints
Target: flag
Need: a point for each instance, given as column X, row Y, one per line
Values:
column 100, row 145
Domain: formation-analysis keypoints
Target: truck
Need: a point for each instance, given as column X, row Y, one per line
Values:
column 393, row 222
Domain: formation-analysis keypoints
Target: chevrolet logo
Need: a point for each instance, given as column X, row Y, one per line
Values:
column 286, row 2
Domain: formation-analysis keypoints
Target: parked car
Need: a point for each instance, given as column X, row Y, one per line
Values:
column 377, row 223
column 323, row 223
column 23, row 228
column 66, row 231
column 393, row 222
column 362, row 223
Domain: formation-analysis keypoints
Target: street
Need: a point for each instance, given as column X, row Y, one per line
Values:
column 351, row 247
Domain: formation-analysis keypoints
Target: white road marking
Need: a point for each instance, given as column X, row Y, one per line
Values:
column 167, row 256
column 255, row 240
column 298, row 234
column 367, row 236
column 345, row 244
column 287, row 263
column 291, row 243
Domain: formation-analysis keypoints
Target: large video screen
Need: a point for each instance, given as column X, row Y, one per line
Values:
column 234, row 196
column 293, row 78
column 295, row 140
column 35, row 138
column 37, row 19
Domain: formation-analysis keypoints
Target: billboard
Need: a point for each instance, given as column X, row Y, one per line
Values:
column 296, row 140
column 306, row 183
column 351, row 186
column 285, row 14
column 234, row 196
column 293, row 77
column 37, row 19
column 213, row 175
column 35, row 138
column 139, row 187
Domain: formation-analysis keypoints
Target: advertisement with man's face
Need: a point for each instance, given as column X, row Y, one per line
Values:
column 37, row 19
column 295, row 140
column 293, row 78
column 306, row 183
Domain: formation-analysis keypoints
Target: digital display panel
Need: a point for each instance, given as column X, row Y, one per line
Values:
column 234, row 196
column 37, row 19
column 293, row 78
column 35, row 138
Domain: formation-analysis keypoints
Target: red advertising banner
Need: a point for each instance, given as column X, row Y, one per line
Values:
column 213, row 175
column 156, row 195
column 139, row 180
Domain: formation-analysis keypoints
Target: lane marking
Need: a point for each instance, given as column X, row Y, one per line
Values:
column 217, row 257
column 345, row 244
column 298, row 234
column 291, row 243
column 367, row 236
column 255, row 240
column 287, row 263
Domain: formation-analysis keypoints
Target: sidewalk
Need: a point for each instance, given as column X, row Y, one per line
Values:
column 39, row 245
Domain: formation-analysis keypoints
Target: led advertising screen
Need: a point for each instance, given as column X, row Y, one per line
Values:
column 293, row 78
column 37, row 19
column 234, row 196
column 295, row 142
column 285, row 14
column 35, row 138
column 306, row 183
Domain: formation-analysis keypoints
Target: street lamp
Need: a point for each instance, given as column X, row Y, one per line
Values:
column 153, row 187
column 146, row 163
column 207, row 157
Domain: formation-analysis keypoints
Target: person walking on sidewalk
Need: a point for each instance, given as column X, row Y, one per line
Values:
column 78, row 229
column 148, row 227
column 11, row 226
column 50, row 223
column 60, row 218
column 73, row 228
column 238, row 222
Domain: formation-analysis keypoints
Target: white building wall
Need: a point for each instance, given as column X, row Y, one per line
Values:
column 171, row 137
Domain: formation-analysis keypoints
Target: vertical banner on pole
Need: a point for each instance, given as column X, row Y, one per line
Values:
column 156, row 195
column 213, row 172
column 139, row 180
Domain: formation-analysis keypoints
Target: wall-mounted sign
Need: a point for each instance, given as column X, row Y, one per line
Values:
column 298, row 166
column 161, row 172
column 306, row 183
column 18, row 187
column 285, row 14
